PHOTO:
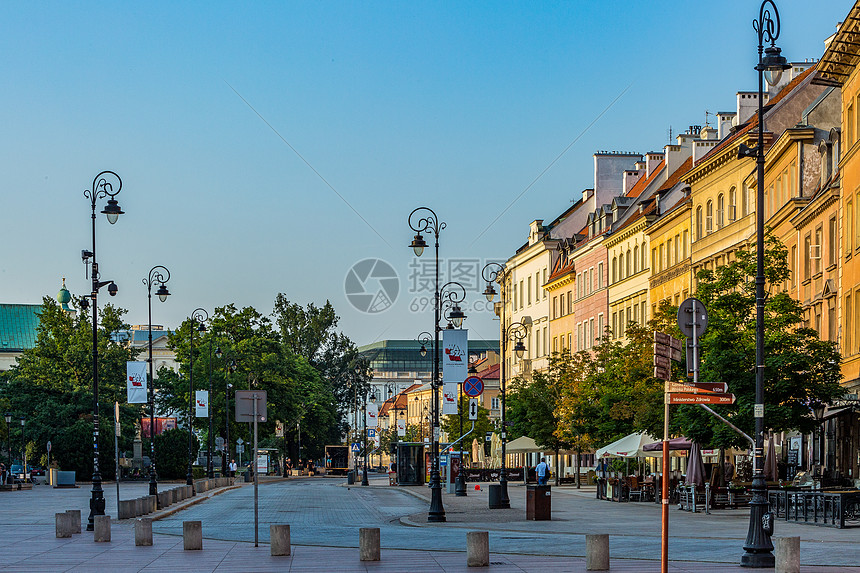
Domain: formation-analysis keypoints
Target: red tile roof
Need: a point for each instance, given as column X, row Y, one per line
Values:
column 643, row 182
column 676, row 176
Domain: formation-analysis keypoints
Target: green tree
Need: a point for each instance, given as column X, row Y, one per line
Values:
column 51, row 387
column 800, row 369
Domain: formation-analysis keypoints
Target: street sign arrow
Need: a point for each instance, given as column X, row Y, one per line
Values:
column 662, row 373
column 662, row 362
column 662, row 350
column 700, row 388
column 679, row 398
column 473, row 408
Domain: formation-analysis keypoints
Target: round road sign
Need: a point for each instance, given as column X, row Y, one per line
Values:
column 473, row 386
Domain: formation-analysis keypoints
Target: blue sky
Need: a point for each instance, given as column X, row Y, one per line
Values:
column 367, row 108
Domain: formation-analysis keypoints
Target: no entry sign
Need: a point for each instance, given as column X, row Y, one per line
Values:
column 473, row 386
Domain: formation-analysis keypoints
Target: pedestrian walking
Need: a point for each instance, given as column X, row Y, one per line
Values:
column 542, row 471
column 233, row 468
column 2, row 473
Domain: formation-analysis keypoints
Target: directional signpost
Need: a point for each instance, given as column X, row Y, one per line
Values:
column 666, row 349
column 683, row 398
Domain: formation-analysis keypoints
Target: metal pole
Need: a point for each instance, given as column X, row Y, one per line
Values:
column 664, row 493
column 364, row 469
column 189, row 477
column 437, row 512
column 116, row 454
column 505, row 501
column 97, row 499
column 460, row 489
column 153, row 479
column 211, row 469
column 256, row 480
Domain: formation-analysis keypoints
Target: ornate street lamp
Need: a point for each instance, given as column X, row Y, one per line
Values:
column 8, row 418
column 198, row 319
column 771, row 63
column 105, row 184
column 158, row 275
column 516, row 332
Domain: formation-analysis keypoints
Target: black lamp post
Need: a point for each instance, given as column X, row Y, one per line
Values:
column 105, row 184
column 198, row 318
column 210, row 469
column 229, row 367
column 771, row 64
column 818, row 411
column 515, row 332
column 460, row 488
column 158, row 275
column 23, row 450
column 364, row 480
column 8, row 417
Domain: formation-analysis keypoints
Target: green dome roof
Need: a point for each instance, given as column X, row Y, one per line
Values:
column 64, row 296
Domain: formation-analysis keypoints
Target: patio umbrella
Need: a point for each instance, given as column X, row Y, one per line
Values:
column 522, row 445
column 675, row 444
column 770, row 473
column 627, row 447
column 695, row 467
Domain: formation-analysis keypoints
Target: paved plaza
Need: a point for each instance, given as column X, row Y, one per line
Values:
column 325, row 515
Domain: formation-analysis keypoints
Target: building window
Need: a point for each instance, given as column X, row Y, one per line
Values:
column 660, row 258
column 846, row 344
column 644, row 256
column 529, row 290
column 684, row 241
column 644, row 310
column 721, row 209
column 569, row 302
column 614, row 323
column 555, row 307
column 614, row 270
column 733, row 205
column 850, row 123
column 654, row 260
column 600, row 326
column 635, row 259
column 709, row 217
column 521, row 294
column 544, row 282
column 832, row 233
column 817, row 250
column 831, row 320
column 495, row 403
column 621, row 266
column 561, row 302
column 807, row 251
column 792, row 265
column 600, row 275
column 629, row 267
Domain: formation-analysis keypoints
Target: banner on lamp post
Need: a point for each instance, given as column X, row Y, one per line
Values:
column 135, row 381
column 372, row 415
column 401, row 427
column 449, row 398
column 455, row 355
column 201, row 402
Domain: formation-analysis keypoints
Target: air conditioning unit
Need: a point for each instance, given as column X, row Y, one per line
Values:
column 733, row 213
column 815, row 252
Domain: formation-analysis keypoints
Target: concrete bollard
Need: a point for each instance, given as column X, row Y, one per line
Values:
column 162, row 499
column 143, row 532
column 368, row 544
column 75, row 519
column 597, row 552
column 153, row 503
column 101, row 529
column 125, row 509
column 192, row 535
column 63, row 524
column 138, row 507
column 787, row 554
column 477, row 549
column 280, row 538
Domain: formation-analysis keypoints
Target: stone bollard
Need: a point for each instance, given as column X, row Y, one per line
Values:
column 192, row 535
column 368, row 544
column 280, row 538
column 63, row 524
column 125, row 509
column 597, row 552
column 787, row 554
column 477, row 549
column 143, row 532
column 163, row 499
column 153, row 503
column 138, row 507
column 101, row 529
column 76, row 519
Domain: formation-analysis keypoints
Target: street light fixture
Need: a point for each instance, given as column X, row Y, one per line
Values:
column 23, row 450
column 516, row 331
column 364, row 480
column 105, row 184
column 157, row 275
column 198, row 319
column 758, row 546
column 424, row 219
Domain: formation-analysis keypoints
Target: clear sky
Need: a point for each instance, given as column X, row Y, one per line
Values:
column 268, row 147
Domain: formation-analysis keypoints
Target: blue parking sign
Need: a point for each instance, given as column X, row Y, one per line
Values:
column 371, row 432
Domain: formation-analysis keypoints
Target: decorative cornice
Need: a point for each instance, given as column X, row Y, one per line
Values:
column 670, row 273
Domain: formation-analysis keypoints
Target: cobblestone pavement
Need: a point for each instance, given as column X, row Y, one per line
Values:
column 324, row 516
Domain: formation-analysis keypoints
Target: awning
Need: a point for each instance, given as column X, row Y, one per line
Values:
column 833, row 412
column 627, row 447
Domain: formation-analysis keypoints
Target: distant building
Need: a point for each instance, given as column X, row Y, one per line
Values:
column 18, row 327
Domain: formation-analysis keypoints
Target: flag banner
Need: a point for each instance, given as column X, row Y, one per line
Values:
column 201, row 401
column 372, row 414
column 135, row 380
column 449, row 398
column 401, row 427
column 455, row 355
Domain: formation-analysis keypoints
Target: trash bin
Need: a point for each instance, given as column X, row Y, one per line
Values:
column 392, row 478
column 495, row 496
column 350, row 477
column 248, row 476
column 538, row 502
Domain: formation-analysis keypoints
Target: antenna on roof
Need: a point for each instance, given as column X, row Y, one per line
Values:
column 707, row 113
column 670, row 135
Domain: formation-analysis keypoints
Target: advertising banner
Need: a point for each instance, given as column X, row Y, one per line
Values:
column 401, row 427
column 135, row 380
column 449, row 398
column 201, row 403
column 372, row 414
column 455, row 355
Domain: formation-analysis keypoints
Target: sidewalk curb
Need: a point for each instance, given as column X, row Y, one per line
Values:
column 167, row 512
